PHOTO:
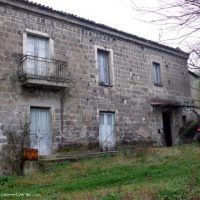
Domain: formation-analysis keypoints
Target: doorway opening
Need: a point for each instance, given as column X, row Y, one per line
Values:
column 167, row 128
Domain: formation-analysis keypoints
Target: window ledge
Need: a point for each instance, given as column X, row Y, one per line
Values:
column 158, row 84
column 105, row 85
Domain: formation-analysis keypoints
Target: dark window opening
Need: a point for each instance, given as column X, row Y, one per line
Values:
column 184, row 120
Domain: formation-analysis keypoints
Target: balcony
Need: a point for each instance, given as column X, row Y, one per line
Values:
column 41, row 72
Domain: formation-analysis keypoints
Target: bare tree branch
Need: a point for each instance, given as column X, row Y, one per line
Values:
column 182, row 16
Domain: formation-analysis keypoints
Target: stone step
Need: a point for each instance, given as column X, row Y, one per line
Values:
column 73, row 157
column 33, row 166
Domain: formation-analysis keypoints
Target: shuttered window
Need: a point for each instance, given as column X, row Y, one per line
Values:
column 157, row 73
column 103, row 67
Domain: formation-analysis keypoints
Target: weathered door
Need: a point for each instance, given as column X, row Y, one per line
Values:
column 37, row 48
column 106, row 131
column 40, row 131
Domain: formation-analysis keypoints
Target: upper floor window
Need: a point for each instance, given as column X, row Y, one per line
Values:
column 157, row 74
column 103, row 67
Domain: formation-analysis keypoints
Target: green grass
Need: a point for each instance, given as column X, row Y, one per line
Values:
column 151, row 173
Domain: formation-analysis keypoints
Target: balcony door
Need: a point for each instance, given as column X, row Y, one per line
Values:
column 40, row 130
column 37, row 49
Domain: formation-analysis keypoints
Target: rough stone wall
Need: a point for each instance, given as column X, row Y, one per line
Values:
column 195, row 89
column 75, row 111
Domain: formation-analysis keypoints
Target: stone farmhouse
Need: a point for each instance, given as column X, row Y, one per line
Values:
column 79, row 82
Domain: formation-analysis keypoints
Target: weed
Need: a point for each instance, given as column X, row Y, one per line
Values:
column 3, row 180
column 111, row 196
column 17, row 139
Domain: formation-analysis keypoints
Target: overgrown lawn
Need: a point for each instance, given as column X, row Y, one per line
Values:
column 150, row 173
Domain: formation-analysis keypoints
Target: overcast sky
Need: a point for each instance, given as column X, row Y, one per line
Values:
column 115, row 13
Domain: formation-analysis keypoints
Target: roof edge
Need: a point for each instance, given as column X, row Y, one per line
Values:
column 193, row 74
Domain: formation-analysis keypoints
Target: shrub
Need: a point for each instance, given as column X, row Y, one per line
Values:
column 189, row 131
column 17, row 139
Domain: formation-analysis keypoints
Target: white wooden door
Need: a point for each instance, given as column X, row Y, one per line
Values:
column 106, row 131
column 37, row 47
column 40, row 131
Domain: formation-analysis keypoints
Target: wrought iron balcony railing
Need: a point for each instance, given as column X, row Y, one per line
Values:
column 43, row 69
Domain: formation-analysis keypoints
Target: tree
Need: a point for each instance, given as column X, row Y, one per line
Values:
column 183, row 18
